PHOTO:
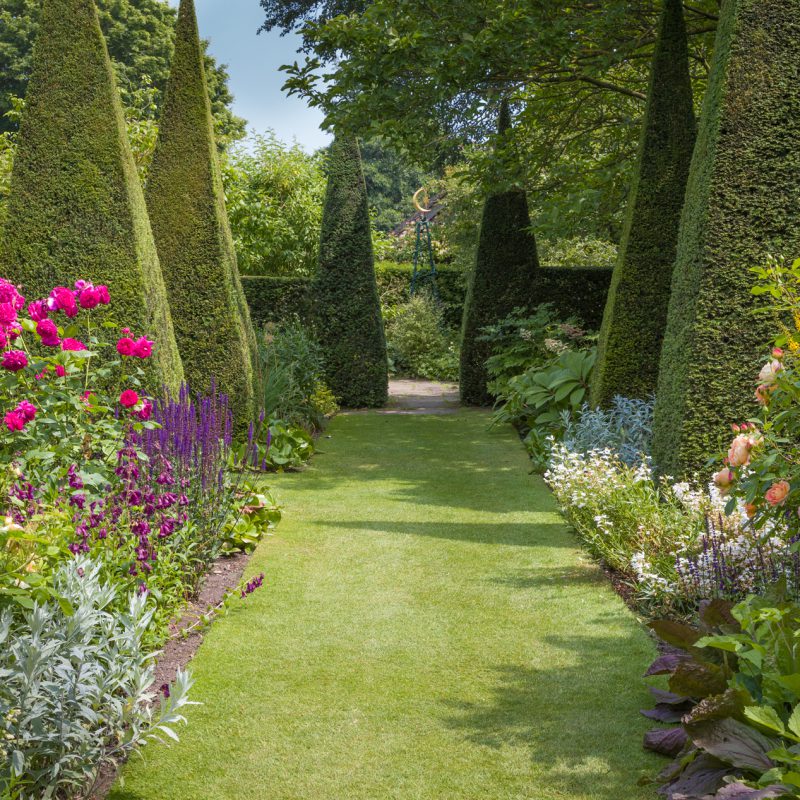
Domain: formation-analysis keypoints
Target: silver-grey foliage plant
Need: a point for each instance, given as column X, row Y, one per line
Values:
column 626, row 428
column 74, row 688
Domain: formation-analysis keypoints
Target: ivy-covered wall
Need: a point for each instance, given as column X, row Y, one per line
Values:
column 742, row 203
column 76, row 208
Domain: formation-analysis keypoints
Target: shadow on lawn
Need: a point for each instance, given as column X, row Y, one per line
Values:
column 535, row 534
column 579, row 723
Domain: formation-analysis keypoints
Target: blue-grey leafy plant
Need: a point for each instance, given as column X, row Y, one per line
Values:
column 626, row 428
column 75, row 688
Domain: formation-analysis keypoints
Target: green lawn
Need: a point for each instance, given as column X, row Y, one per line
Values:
column 428, row 629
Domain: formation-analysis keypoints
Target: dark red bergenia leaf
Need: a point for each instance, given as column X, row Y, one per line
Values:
column 666, row 741
column 666, row 663
column 703, row 776
column 735, row 743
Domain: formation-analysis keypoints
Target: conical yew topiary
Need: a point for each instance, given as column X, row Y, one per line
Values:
column 348, row 309
column 76, row 208
column 636, row 311
column 187, row 211
column 742, row 204
column 503, row 279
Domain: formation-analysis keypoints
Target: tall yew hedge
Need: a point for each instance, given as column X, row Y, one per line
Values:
column 348, row 311
column 636, row 311
column 76, row 208
column 742, row 203
column 503, row 279
column 187, row 210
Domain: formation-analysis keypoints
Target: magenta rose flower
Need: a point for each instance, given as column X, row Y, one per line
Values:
column 10, row 294
column 73, row 345
column 146, row 411
column 129, row 398
column 26, row 410
column 8, row 314
column 126, row 346
column 37, row 310
column 143, row 348
column 63, row 299
column 60, row 371
column 14, row 420
column 48, row 331
column 14, row 360
column 89, row 297
column 102, row 293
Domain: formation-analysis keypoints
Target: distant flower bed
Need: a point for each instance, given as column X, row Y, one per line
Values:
column 115, row 504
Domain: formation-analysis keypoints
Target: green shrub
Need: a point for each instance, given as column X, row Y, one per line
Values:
column 292, row 377
column 503, row 279
column 741, row 204
column 394, row 285
column 419, row 345
column 273, row 195
column 190, row 225
column 629, row 349
column 76, row 209
column 523, row 342
column 348, row 311
column 539, row 401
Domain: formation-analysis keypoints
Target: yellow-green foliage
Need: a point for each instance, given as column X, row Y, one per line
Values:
column 503, row 279
column 742, row 203
column 76, row 208
column 348, row 312
column 190, row 225
column 636, row 314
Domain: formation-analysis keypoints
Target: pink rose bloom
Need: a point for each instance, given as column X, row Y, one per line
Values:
column 48, row 331
column 144, row 348
column 72, row 345
column 723, row 480
column 102, row 293
column 126, row 346
column 10, row 294
column 739, row 452
column 60, row 371
column 37, row 310
column 769, row 372
column 63, row 299
column 777, row 493
column 146, row 411
column 14, row 332
column 129, row 398
column 777, row 353
column 14, row 360
column 89, row 297
column 8, row 314
column 27, row 410
column 3, row 340
column 14, row 421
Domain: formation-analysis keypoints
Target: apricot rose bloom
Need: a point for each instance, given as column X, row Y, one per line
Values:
column 777, row 493
column 769, row 372
column 739, row 452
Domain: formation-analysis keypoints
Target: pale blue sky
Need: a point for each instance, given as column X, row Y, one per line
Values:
column 253, row 62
